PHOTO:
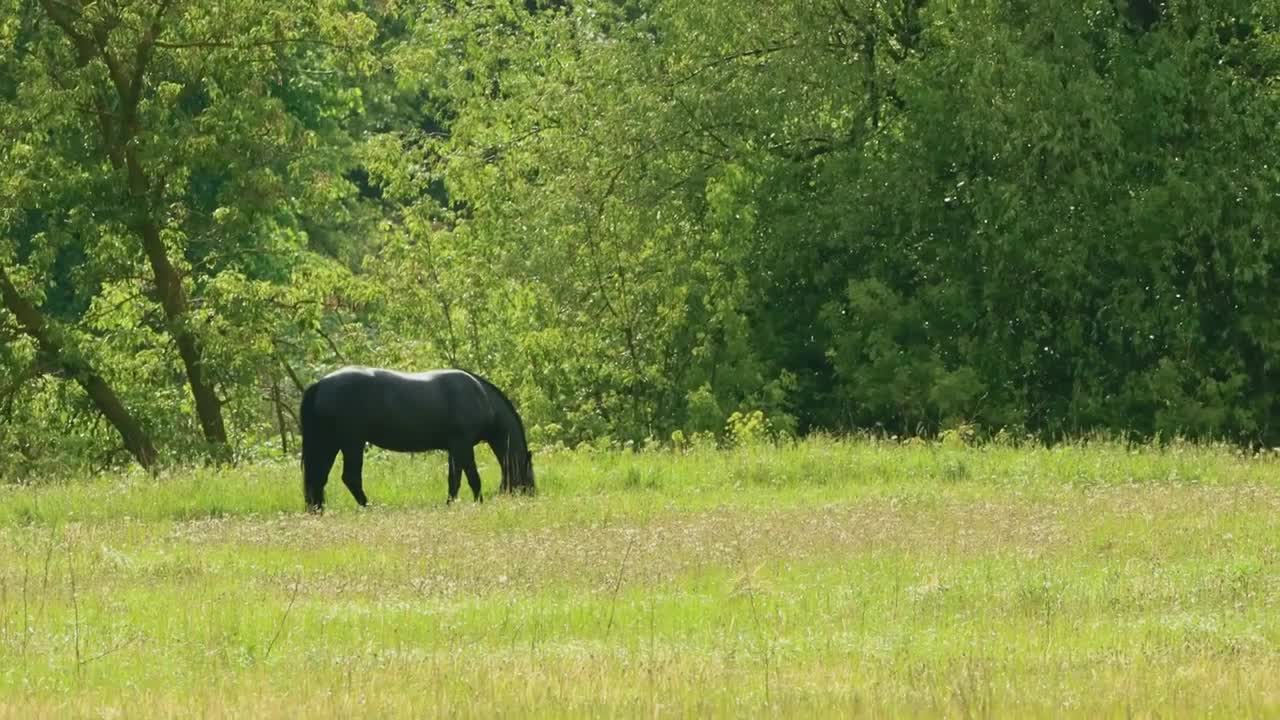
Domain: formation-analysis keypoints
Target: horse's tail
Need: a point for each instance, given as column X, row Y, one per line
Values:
column 311, row 445
column 307, row 417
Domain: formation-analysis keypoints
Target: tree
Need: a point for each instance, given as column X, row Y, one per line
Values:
column 116, row 105
column 104, row 397
column 196, row 139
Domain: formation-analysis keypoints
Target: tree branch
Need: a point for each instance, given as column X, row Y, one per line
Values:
column 51, row 342
column 86, row 52
column 115, row 70
column 37, row 368
column 60, row 16
column 740, row 55
column 293, row 376
column 145, row 49
column 332, row 345
column 228, row 44
column 706, row 130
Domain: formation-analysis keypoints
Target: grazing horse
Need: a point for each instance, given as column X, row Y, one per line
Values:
column 409, row 412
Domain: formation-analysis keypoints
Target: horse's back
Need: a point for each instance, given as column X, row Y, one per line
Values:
column 360, row 374
column 397, row 410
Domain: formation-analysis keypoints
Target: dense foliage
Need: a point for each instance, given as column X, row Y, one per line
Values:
column 638, row 217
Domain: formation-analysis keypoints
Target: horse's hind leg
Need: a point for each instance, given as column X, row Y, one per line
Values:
column 352, row 469
column 455, row 478
column 317, row 461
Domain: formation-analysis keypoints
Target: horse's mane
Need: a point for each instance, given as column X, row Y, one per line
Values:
column 510, row 406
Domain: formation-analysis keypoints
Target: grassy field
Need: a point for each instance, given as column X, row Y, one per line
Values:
column 836, row 578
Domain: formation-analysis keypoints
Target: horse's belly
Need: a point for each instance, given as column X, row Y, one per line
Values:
column 400, row 444
column 405, row 442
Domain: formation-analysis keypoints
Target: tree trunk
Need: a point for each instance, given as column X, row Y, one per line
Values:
column 103, row 396
column 173, row 299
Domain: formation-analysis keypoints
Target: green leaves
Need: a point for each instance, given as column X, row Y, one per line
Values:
column 200, row 133
column 637, row 217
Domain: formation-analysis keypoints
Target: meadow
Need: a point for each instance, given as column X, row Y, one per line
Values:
column 829, row 577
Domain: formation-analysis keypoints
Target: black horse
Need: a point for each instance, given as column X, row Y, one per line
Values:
column 409, row 412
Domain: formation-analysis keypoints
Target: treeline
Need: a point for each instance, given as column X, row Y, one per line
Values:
column 638, row 217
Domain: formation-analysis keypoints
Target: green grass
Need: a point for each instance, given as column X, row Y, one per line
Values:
column 838, row 578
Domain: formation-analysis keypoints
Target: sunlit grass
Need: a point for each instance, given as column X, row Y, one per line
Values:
column 801, row 473
column 839, row 578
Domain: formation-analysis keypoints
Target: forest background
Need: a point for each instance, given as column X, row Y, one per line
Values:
column 638, row 217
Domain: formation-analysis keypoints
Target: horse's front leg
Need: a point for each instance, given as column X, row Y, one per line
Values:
column 473, row 479
column 352, row 472
column 468, row 458
column 462, row 459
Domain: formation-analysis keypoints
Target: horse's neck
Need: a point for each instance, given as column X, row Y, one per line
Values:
column 507, row 440
column 507, row 443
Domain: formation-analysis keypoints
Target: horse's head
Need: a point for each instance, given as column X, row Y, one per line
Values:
column 524, row 479
column 517, row 471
